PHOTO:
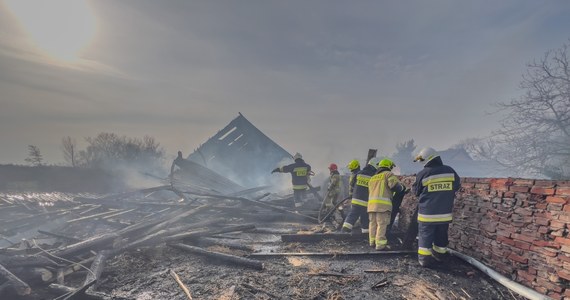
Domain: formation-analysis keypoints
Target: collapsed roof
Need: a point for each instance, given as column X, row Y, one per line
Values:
column 240, row 152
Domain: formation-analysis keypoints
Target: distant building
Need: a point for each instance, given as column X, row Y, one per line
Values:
column 242, row 153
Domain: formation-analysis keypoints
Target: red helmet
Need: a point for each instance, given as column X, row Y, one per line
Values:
column 333, row 167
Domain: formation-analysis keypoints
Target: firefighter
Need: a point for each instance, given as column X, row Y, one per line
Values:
column 300, row 172
column 382, row 188
column 333, row 190
column 354, row 167
column 359, row 203
column 179, row 161
column 435, row 188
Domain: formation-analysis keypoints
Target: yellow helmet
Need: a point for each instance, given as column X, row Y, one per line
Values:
column 353, row 165
column 386, row 163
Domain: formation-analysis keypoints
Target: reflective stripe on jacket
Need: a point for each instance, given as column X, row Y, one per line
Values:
column 435, row 187
column 382, row 187
column 360, row 192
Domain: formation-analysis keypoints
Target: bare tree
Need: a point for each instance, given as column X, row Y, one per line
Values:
column 69, row 149
column 403, row 156
column 34, row 156
column 535, row 135
column 109, row 148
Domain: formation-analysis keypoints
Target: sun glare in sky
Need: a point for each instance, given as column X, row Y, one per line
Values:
column 61, row 28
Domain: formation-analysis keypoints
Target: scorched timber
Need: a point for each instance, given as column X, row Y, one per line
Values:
column 315, row 238
column 20, row 287
column 375, row 253
column 258, row 203
column 250, row 263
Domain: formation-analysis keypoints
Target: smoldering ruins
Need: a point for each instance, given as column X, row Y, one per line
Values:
column 218, row 229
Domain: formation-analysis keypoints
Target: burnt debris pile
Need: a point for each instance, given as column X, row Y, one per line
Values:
column 51, row 241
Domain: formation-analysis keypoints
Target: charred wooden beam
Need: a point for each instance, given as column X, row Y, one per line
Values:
column 181, row 284
column 210, row 232
column 174, row 219
column 19, row 286
column 262, row 204
column 26, row 261
column 250, row 263
column 60, row 236
column 60, row 288
column 207, row 242
column 335, row 254
column 97, row 267
column 317, row 237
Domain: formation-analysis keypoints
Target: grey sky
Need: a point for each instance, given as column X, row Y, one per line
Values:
column 329, row 79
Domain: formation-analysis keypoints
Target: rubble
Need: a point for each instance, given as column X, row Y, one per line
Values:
column 126, row 246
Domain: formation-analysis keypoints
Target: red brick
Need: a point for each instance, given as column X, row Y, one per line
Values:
column 522, row 237
column 518, row 258
column 523, row 211
column 563, row 191
column 563, row 257
column 562, row 183
column 555, row 224
column 544, row 183
column 519, row 189
column 541, row 221
column 549, row 285
column 549, row 244
column 558, row 200
column 482, row 186
column 467, row 185
column 544, row 251
column 542, row 190
column 526, row 276
column 543, row 229
column 554, row 207
column 522, row 245
column 564, row 218
column 541, row 205
column 541, row 289
column 555, row 296
column 529, row 182
column 564, row 274
column 505, row 240
column 562, row 241
column 509, row 194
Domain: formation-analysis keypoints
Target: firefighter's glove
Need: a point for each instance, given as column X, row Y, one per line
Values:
column 275, row 170
column 405, row 191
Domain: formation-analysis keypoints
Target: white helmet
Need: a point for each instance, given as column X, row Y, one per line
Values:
column 297, row 156
column 374, row 162
column 426, row 155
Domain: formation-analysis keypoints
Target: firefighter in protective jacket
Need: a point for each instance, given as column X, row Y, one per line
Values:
column 382, row 188
column 359, row 203
column 300, row 172
column 435, row 188
column 333, row 190
column 354, row 167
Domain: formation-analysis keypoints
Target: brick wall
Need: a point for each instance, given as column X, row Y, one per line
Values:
column 519, row 227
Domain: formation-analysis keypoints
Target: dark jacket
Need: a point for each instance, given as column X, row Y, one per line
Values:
column 352, row 181
column 435, row 186
column 360, row 192
column 300, row 171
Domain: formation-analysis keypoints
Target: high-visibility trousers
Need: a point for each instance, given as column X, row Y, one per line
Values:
column 356, row 212
column 432, row 237
column 378, row 223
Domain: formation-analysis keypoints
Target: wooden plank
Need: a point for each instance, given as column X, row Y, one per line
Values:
column 20, row 287
column 317, row 237
column 375, row 253
column 232, row 259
